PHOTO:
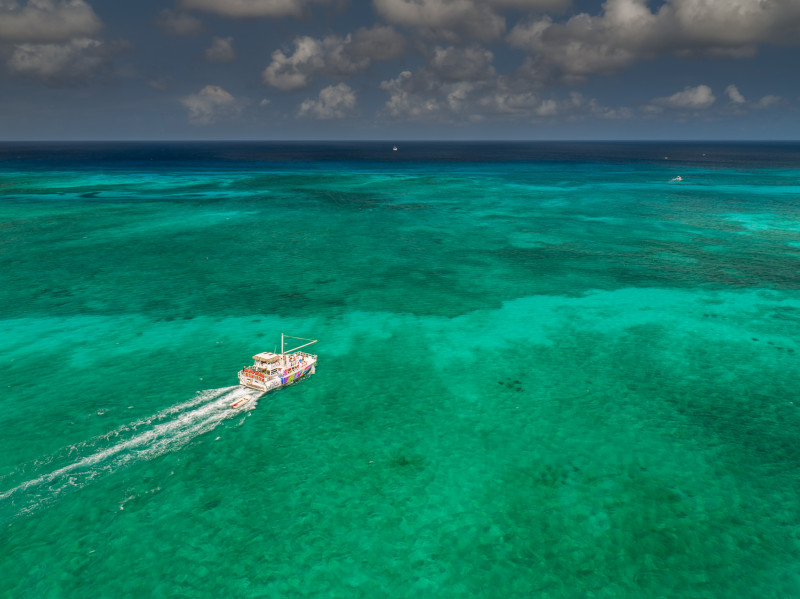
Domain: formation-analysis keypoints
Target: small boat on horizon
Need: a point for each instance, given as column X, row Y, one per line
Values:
column 394, row 148
column 272, row 370
column 676, row 179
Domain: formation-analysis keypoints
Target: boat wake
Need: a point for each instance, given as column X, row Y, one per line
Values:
column 144, row 439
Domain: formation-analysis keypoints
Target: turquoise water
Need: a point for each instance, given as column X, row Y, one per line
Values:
column 544, row 370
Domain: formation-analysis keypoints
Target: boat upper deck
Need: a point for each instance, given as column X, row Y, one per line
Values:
column 267, row 357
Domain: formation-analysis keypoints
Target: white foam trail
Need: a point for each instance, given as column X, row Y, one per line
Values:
column 201, row 398
column 174, row 427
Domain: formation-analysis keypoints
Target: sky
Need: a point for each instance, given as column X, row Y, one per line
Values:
column 399, row 69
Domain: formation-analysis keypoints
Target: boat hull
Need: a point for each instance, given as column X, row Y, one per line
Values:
column 248, row 379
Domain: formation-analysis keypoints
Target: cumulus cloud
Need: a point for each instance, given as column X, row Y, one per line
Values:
column 691, row 98
column 160, row 84
column 733, row 23
column 420, row 96
column 221, row 50
column 531, row 5
column 503, row 102
column 769, row 101
column 291, row 72
column 739, row 104
column 242, row 9
column 332, row 55
column 333, row 102
column 462, row 64
column 406, row 99
column 178, row 23
column 431, row 94
column 70, row 63
column 447, row 86
column 456, row 19
column 446, row 18
column 42, row 21
column 608, row 112
column 627, row 31
column 734, row 95
column 506, row 103
column 585, row 44
column 378, row 43
column 211, row 104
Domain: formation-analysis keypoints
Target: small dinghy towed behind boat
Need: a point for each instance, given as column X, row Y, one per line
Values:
column 272, row 371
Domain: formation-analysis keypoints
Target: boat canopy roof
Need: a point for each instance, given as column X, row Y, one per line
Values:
column 266, row 357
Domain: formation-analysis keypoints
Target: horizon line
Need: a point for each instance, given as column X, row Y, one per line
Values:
column 396, row 141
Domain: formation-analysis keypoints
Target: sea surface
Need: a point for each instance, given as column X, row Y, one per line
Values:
column 546, row 370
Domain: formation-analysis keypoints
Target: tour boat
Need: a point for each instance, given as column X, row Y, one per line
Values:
column 271, row 371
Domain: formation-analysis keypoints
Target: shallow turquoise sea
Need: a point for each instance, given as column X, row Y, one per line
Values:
column 545, row 370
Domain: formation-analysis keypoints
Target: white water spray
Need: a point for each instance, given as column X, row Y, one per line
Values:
column 146, row 438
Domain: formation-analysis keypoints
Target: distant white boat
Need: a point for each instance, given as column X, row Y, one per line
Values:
column 676, row 179
column 394, row 148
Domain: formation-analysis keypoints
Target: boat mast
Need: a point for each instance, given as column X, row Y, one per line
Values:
column 310, row 341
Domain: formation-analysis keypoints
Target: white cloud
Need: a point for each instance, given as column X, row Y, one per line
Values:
column 691, row 98
column 425, row 96
column 290, row 72
column 405, row 101
column 332, row 55
column 531, row 5
column 735, row 96
column 178, row 23
column 462, row 64
column 70, row 63
column 447, row 87
column 507, row 103
column 47, row 21
column 160, row 84
column 378, row 43
column 609, row 113
column 333, row 102
column 249, row 8
column 458, row 96
column 221, row 50
column 453, row 19
column 547, row 108
column 445, row 17
column 421, row 96
column 769, row 101
column 627, row 31
column 527, row 104
column 211, row 104
column 732, row 23
column 584, row 44
column 739, row 105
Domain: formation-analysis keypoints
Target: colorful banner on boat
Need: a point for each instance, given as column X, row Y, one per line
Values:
column 287, row 380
